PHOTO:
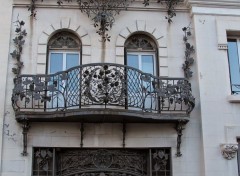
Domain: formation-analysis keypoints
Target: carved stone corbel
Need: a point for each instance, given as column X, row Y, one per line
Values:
column 229, row 150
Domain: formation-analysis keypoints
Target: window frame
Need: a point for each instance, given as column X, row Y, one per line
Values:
column 140, row 54
column 64, row 52
column 237, row 38
column 51, row 49
column 141, row 50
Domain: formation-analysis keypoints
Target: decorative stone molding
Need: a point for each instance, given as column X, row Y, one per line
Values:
column 216, row 3
column 224, row 26
column 222, row 46
column 233, row 98
column 63, row 24
column 140, row 26
column 229, row 150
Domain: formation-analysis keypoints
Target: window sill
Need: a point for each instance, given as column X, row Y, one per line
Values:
column 233, row 98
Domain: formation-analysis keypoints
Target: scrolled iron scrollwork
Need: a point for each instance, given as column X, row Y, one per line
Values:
column 170, row 4
column 102, row 162
column 19, row 41
column 102, row 159
column 160, row 159
column 102, row 84
column 103, row 12
column 43, row 158
column 189, row 51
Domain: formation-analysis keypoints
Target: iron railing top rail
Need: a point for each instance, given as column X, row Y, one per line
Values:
column 102, row 85
column 100, row 64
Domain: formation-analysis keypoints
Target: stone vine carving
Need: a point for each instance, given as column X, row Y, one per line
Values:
column 189, row 51
column 18, row 43
column 170, row 4
column 229, row 150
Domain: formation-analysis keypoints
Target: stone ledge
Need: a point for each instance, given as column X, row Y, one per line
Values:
column 100, row 115
column 233, row 98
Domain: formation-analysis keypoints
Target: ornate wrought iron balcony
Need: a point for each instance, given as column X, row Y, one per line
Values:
column 112, row 91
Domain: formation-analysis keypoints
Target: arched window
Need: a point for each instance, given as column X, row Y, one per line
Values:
column 141, row 53
column 64, row 52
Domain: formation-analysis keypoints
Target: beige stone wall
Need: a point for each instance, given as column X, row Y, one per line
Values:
column 220, row 117
column 6, row 14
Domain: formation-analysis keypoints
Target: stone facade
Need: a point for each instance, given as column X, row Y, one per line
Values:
column 213, row 122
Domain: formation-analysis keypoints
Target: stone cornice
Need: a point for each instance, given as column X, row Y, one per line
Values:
column 213, row 3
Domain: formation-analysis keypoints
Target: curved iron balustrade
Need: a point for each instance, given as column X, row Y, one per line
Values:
column 102, row 85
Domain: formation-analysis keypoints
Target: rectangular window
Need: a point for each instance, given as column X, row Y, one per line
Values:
column 67, row 90
column 106, row 162
column 144, row 61
column 234, row 64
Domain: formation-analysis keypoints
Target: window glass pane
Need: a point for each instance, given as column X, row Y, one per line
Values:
column 147, row 64
column 56, row 62
column 234, row 64
column 132, row 60
column 72, row 60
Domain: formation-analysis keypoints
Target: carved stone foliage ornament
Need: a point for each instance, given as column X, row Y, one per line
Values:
column 229, row 150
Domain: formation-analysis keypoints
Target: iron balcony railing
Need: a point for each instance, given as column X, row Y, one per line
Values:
column 102, row 85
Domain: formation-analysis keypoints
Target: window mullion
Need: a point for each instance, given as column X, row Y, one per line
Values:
column 64, row 61
column 140, row 61
column 238, row 46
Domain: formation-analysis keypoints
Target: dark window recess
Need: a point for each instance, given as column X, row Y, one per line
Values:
column 234, row 65
column 101, row 162
column 238, row 155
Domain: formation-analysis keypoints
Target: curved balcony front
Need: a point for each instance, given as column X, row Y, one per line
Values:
column 102, row 92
